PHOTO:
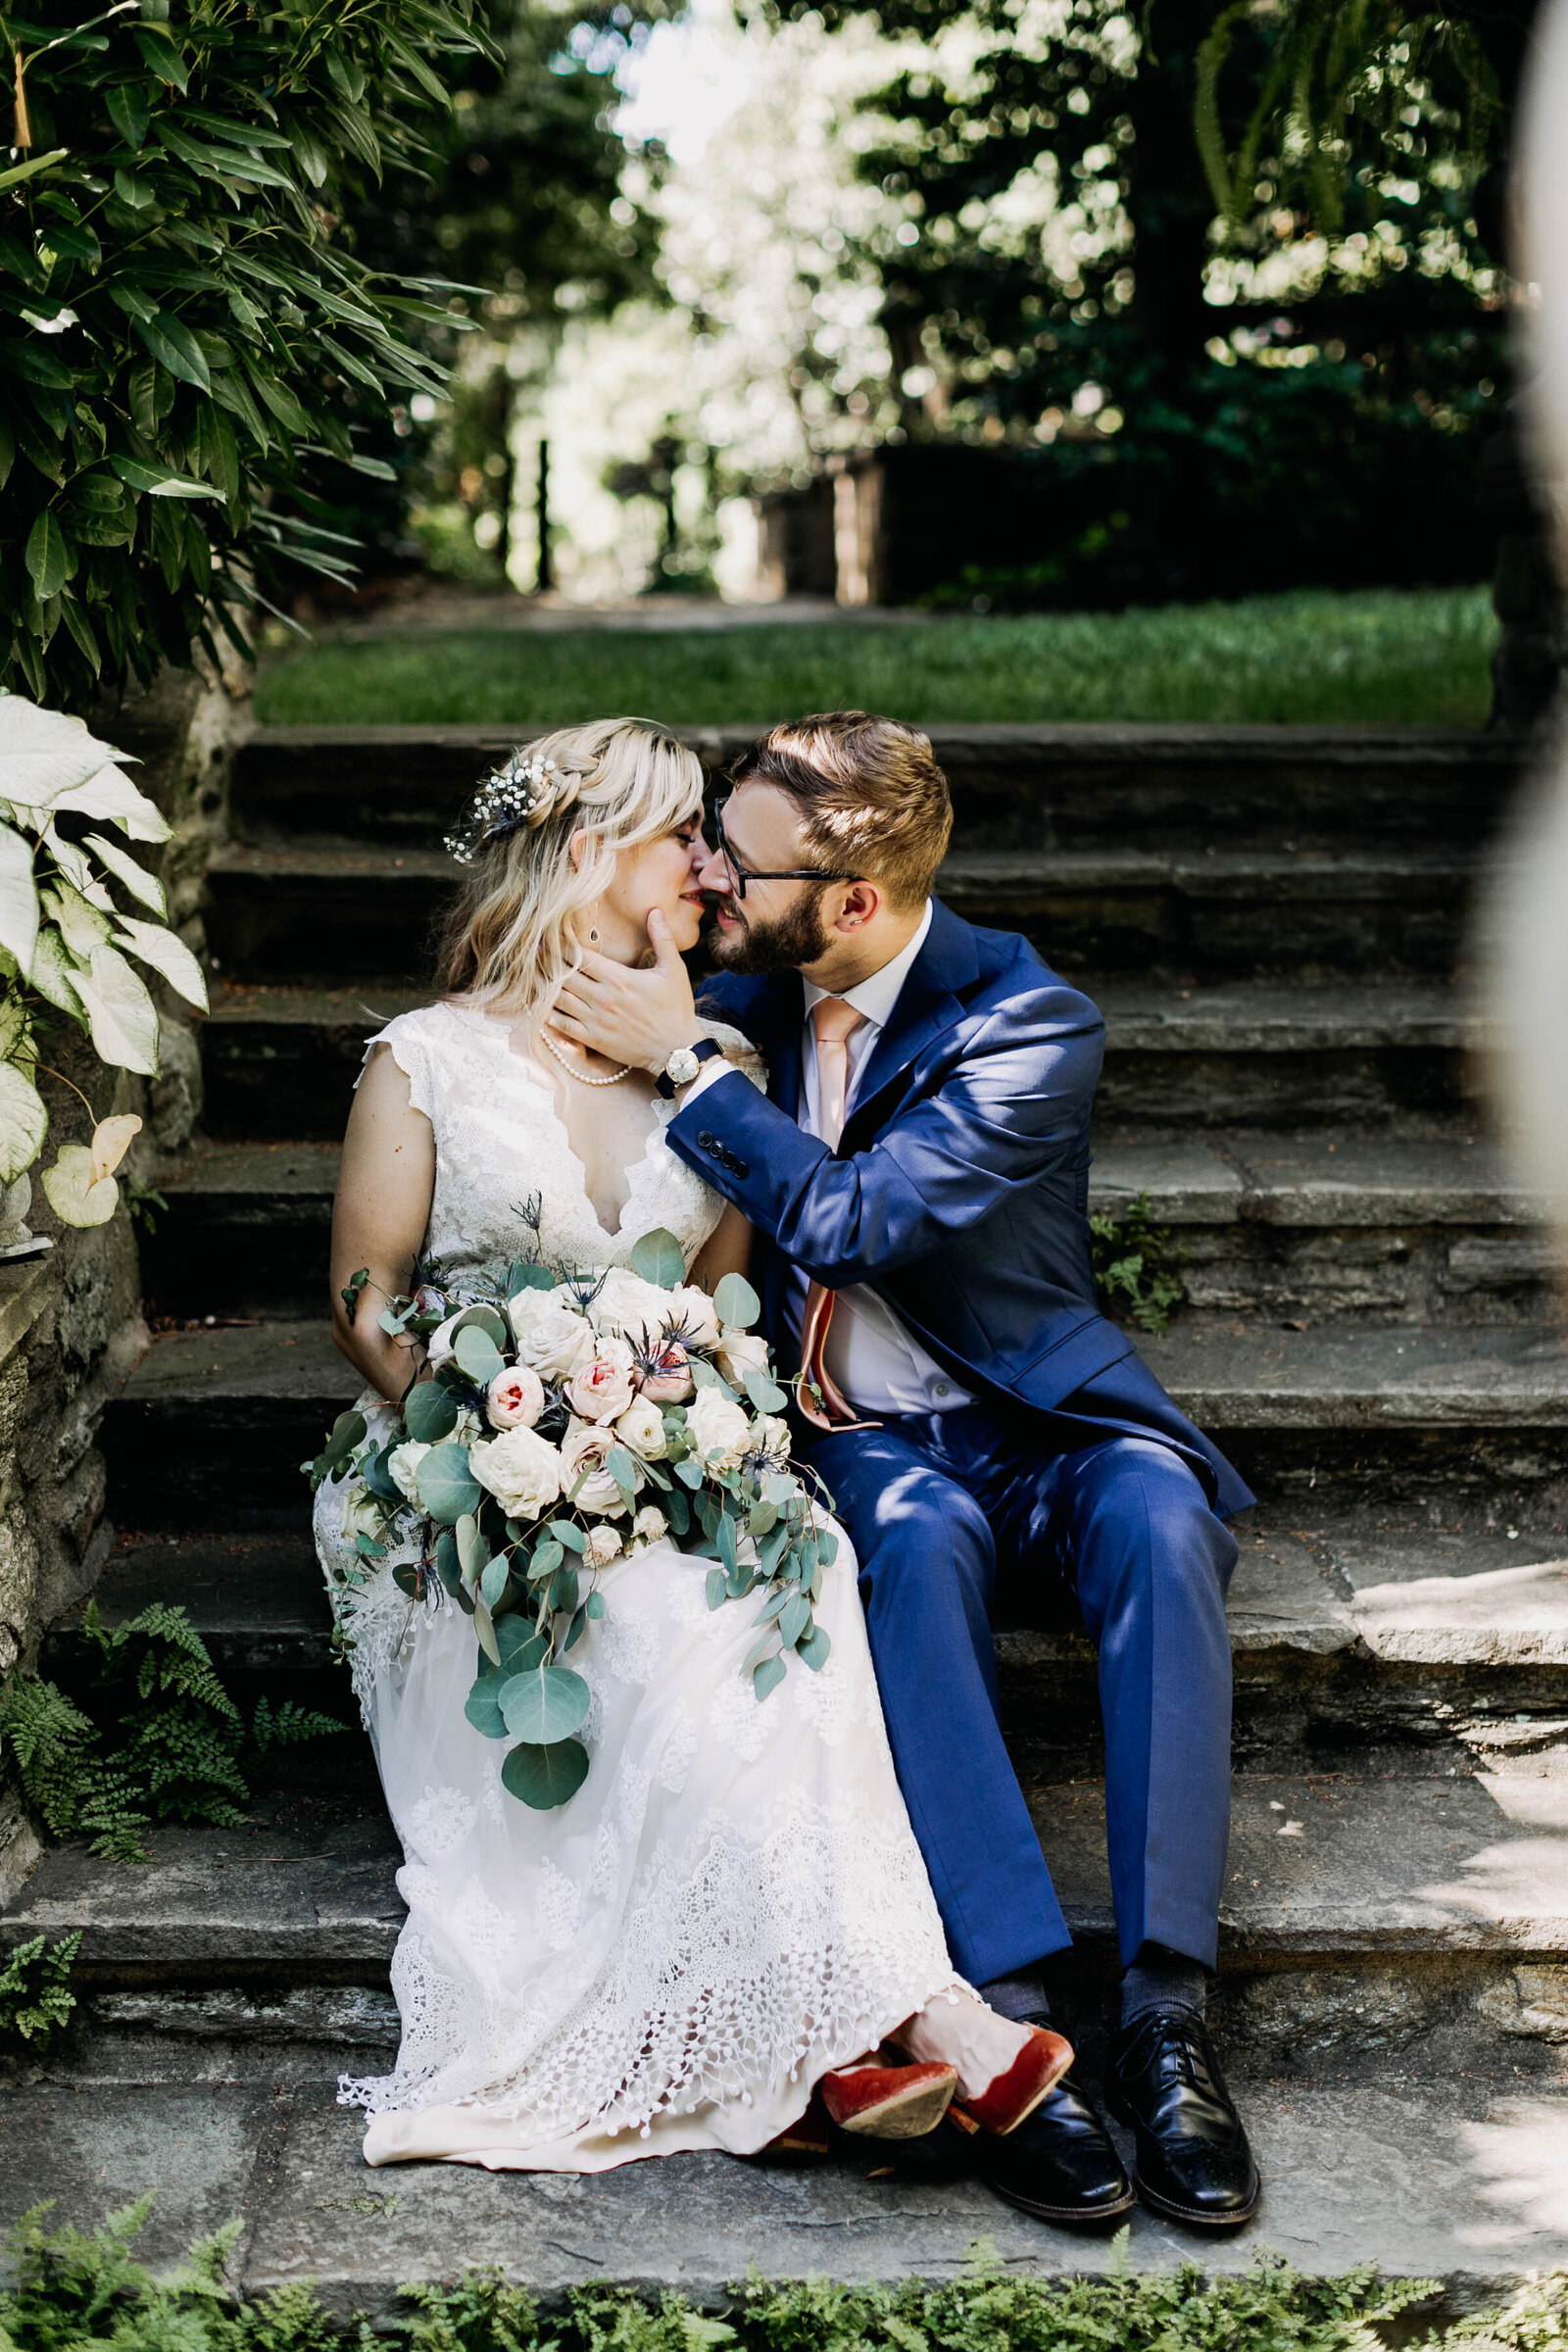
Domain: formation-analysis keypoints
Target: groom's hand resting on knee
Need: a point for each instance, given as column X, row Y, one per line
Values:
column 626, row 1014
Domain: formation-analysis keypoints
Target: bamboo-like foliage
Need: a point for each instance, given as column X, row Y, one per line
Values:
column 184, row 340
column 1324, row 61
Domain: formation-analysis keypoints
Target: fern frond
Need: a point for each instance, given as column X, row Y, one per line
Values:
column 36, row 1998
column 285, row 1726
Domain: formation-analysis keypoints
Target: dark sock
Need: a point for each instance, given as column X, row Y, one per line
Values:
column 1022, row 1999
column 1162, row 1979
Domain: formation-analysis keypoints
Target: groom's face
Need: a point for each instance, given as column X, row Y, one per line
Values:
column 772, row 926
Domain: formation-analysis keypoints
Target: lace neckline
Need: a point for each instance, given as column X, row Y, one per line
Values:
column 497, row 1032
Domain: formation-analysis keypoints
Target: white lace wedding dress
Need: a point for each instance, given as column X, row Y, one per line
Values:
column 733, row 1901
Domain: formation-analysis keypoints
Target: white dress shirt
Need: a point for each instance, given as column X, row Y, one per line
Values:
column 878, row 1365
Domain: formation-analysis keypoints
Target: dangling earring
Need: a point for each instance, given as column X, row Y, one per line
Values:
column 593, row 930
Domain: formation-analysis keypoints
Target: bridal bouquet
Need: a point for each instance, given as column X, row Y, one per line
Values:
column 571, row 1419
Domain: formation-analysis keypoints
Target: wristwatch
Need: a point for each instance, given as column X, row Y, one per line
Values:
column 682, row 1066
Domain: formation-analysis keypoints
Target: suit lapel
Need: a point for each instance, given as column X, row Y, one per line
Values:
column 928, row 1002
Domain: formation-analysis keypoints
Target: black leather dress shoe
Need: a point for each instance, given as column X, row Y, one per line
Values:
column 1193, row 2161
column 1059, row 2163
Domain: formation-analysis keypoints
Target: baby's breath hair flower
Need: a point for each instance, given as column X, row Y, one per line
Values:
column 513, row 796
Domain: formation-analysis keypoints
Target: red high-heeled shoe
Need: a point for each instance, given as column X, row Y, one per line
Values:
column 889, row 2102
column 1011, row 2097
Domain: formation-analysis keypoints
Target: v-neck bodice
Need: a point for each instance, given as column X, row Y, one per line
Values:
column 501, row 1145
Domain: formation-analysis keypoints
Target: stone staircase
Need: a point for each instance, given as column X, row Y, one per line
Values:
column 1368, row 1329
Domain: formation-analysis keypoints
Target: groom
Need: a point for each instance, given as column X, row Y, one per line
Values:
column 918, row 1177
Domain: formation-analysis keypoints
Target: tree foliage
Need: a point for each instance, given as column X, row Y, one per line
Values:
column 185, row 341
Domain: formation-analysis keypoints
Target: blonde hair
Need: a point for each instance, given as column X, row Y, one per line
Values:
column 515, row 929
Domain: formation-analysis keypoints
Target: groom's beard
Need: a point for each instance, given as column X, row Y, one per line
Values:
column 787, row 944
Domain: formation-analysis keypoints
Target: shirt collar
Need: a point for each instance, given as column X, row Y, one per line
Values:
column 874, row 999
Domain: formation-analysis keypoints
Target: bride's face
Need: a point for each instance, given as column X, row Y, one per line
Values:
column 660, row 873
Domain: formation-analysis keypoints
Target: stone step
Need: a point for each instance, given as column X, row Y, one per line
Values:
column 1363, row 1914
column 1349, row 1637
column 1454, row 2181
column 1073, row 787
column 281, row 1062
column 211, row 1425
column 1316, row 1228
column 337, row 915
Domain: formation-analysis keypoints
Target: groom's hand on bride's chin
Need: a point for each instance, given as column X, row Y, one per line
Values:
column 629, row 1015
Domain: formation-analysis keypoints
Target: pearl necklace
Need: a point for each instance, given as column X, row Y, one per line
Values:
column 581, row 1076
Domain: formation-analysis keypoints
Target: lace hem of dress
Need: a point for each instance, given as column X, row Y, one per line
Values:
column 731, row 1972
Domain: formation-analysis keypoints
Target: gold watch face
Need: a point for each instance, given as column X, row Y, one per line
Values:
column 682, row 1066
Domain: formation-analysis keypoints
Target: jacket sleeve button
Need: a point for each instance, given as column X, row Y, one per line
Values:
column 704, row 1142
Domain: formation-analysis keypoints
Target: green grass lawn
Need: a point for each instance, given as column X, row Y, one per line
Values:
column 1390, row 654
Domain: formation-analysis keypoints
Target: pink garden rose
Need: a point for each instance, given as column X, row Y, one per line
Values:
column 670, row 1379
column 515, row 1399
column 603, row 1389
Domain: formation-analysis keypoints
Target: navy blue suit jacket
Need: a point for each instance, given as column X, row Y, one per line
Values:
column 959, row 1190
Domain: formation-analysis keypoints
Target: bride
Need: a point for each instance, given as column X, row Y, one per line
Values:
column 732, row 1910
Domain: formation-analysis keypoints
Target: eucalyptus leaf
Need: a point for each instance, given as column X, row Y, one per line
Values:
column 765, row 1394
column 545, row 1776
column 595, row 1606
column 659, row 1257
column 717, row 1588
column 446, row 1487
column 476, row 1352
column 794, row 1618
column 485, row 1632
column 545, row 1706
column 522, row 1647
column 482, row 1705
column 493, row 1581
column 814, row 1650
column 473, row 1549
column 565, row 1532
column 736, row 1302
column 429, row 1412
column 486, row 1319
column 767, row 1676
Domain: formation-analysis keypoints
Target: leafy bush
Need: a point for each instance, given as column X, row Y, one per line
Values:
column 150, row 1687
column 36, row 1998
column 78, row 2291
column 1135, row 1263
column 183, row 343
column 64, row 942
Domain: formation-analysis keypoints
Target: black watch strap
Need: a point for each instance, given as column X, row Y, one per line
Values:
column 704, row 1050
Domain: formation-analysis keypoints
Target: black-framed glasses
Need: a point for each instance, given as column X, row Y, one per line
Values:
column 739, row 875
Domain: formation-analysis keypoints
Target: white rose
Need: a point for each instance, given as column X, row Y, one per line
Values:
column 603, row 1546
column 649, row 1524
column 739, row 1352
column 771, row 1436
column 403, row 1465
column 628, row 1306
column 586, row 1447
column 642, row 1427
column 438, row 1347
column 361, row 1514
column 716, row 1427
column 515, row 1399
column 520, row 1470
column 696, row 1316
column 554, row 1340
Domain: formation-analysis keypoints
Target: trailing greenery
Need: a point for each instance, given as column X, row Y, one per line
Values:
column 154, row 1736
column 78, row 2291
column 185, row 344
column 1308, row 657
column 1135, row 1263
column 35, row 1997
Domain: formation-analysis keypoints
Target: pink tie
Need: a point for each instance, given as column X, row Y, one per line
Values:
column 835, row 1023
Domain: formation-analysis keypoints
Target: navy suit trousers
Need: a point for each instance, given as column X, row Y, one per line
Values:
column 939, row 1508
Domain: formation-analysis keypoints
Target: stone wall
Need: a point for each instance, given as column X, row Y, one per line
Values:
column 71, row 1324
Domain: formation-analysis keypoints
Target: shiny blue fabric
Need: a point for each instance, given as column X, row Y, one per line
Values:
column 959, row 1189
column 947, row 1511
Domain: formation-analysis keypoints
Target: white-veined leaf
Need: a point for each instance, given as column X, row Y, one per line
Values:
column 79, row 871
column 23, row 1122
column 19, row 900
column 44, row 753
column 54, row 973
column 124, row 868
column 168, row 955
column 83, row 927
column 113, row 795
column 111, row 1141
column 122, row 1015
column 75, row 1198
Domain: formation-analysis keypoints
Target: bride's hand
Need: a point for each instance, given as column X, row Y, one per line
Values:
column 626, row 1015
